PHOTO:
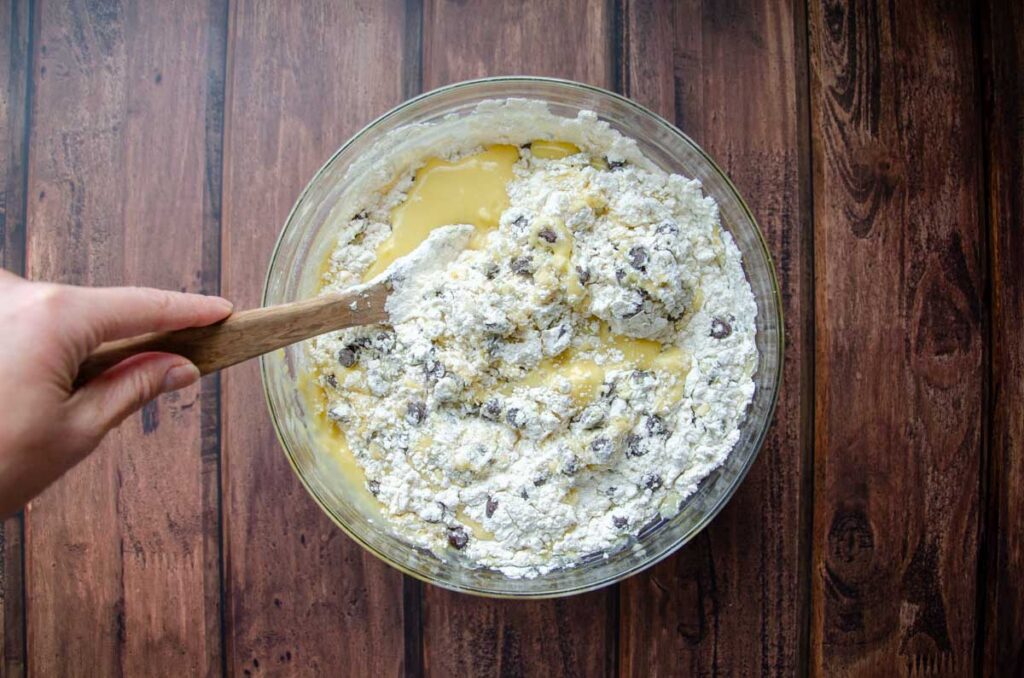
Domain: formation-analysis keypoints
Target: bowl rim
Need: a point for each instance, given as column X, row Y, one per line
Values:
column 776, row 298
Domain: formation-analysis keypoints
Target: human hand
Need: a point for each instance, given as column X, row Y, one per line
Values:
column 46, row 425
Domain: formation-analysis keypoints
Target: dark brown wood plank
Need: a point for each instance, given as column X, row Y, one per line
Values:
column 533, row 37
column 899, row 329
column 733, row 76
column 301, row 597
column 1002, row 643
column 15, row 27
column 117, row 571
column 468, row 636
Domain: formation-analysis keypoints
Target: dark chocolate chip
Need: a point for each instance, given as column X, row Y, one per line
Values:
column 362, row 215
column 492, row 506
column 655, row 425
column 373, row 486
column 640, row 375
column 347, row 356
column 540, row 479
column 652, row 481
column 522, row 266
column 634, row 309
column 601, row 446
column 331, row 380
column 615, row 164
column 434, row 368
column 634, row 446
column 457, row 537
column 583, row 274
column 385, row 341
column 415, row 412
column 524, row 494
column 620, row 274
column 515, row 417
column 572, row 466
column 638, row 257
column 548, row 235
column 491, row 271
column 491, row 410
column 520, row 221
column 668, row 228
column 720, row 329
column 619, row 521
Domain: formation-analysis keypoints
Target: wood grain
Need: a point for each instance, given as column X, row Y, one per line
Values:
column 15, row 26
column 732, row 75
column 1001, row 646
column 117, row 562
column 898, row 265
column 570, row 39
column 467, row 636
column 301, row 597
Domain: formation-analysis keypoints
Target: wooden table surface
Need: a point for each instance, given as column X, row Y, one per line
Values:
column 881, row 147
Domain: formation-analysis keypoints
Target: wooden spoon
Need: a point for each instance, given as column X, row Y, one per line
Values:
column 248, row 334
column 251, row 333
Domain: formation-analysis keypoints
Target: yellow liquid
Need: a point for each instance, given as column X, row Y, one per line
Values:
column 586, row 377
column 332, row 439
column 552, row 150
column 468, row 191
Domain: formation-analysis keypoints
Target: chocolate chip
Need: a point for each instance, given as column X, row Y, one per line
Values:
column 638, row 257
column 540, row 479
column 667, row 228
column 491, row 271
column 362, row 215
column 634, row 446
column 583, row 274
column 619, row 521
column 521, row 222
column 347, row 357
column 635, row 309
column 601, row 446
column 457, row 537
column 492, row 506
column 515, row 417
column 620, row 274
column 615, row 164
column 434, row 368
column 572, row 466
column 655, row 425
column 652, row 481
column 331, row 380
column 415, row 412
column 639, row 376
column 548, row 235
column 491, row 410
column 385, row 341
column 373, row 486
column 720, row 329
column 524, row 494
column 522, row 266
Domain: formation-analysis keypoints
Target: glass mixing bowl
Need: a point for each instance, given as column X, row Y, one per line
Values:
column 309, row 235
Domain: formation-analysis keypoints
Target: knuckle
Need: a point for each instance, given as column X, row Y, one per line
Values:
column 50, row 299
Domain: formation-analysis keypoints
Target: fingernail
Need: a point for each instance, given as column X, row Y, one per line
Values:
column 179, row 376
column 224, row 302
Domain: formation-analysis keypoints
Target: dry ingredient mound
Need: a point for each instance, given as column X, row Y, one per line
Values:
column 549, row 393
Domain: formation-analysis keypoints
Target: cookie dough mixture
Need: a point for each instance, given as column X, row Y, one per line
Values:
column 569, row 378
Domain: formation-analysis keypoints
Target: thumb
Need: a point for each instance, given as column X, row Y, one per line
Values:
column 104, row 402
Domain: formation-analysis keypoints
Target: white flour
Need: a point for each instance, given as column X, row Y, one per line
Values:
column 464, row 456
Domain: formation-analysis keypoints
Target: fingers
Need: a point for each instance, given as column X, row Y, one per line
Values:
column 118, row 312
column 105, row 401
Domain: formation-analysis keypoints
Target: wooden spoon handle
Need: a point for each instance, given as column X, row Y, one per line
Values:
column 247, row 334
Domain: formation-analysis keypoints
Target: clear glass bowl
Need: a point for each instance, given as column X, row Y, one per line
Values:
column 309, row 235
